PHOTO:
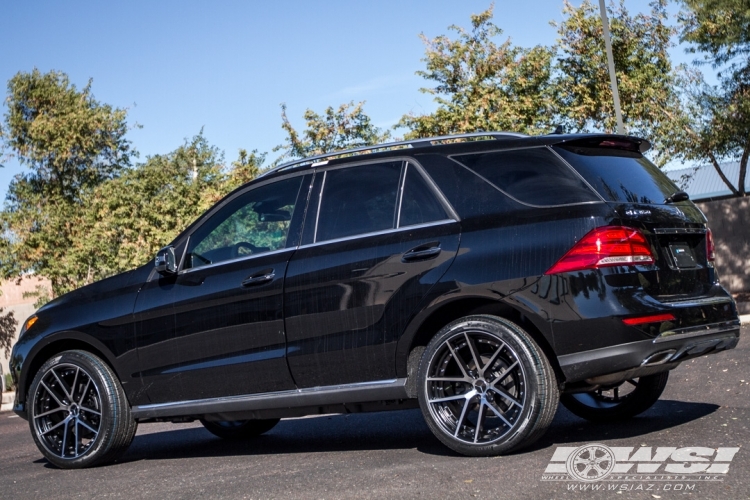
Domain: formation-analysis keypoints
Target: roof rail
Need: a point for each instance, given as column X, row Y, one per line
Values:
column 414, row 143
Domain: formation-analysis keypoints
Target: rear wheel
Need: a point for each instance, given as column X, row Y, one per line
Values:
column 626, row 400
column 485, row 387
column 239, row 429
column 78, row 414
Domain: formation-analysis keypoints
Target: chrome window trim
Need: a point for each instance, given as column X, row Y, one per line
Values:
column 320, row 202
column 377, row 233
column 236, row 259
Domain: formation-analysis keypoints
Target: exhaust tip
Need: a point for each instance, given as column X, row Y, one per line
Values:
column 658, row 358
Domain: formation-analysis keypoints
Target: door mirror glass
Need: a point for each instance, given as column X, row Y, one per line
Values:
column 165, row 262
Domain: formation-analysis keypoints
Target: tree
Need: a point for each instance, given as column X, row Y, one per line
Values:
column 8, row 326
column 482, row 86
column 647, row 81
column 127, row 219
column 245, row 168
column 343, row 128
column 70, row 144
column 720, row 29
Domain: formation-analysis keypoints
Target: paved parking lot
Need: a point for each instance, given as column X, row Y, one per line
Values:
column 393, row 455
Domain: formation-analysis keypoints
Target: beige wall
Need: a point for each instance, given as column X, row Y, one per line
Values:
column 12, row 300
column 729, row 221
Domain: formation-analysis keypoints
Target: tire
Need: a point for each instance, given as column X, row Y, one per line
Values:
column 240, row 429
column 78, row 413
column 485, row 387
column 608, row 405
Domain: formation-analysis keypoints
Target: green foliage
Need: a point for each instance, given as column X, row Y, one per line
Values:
column 720, row 29
column 647, row 82
column 343, row 128
column 245, row 168
column 721, row 127
column 127, row 219
column 482, row 86
column 70, row 144
column 8, row 324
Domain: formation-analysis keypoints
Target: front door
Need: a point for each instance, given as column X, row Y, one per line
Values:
column 220, row 320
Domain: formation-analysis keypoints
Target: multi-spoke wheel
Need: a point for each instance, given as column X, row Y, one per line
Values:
column 486, row 387
column 239, row 429
column 78, row 413
column 622, row 401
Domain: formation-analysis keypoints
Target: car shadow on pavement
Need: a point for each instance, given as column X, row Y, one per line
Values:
column 392, row 430
column 664, row 415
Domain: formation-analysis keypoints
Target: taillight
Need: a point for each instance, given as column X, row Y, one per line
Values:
column 606, row 246
column 710, row 249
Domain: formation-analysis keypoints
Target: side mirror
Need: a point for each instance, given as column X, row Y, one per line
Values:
column 165, row 262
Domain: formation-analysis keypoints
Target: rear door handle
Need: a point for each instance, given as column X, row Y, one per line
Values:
column 259, row 278
column 422, row 252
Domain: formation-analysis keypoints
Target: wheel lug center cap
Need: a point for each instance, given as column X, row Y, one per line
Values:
column 480, row 385
column 73, row 409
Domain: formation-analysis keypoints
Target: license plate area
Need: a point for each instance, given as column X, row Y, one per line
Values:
column 682, row 255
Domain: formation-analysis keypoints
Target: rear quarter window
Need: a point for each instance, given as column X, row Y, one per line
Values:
column 535, row 176
column 620, row 177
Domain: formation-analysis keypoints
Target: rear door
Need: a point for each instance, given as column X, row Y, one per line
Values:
column 379, row 240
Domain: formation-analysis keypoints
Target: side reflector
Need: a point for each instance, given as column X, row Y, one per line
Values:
column 654, row 318
column 606, row 246
column 710, row 248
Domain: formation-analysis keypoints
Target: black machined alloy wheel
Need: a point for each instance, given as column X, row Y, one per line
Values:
column 78, row 413
column 626, row 400
column 486, row 387
column 239, row 429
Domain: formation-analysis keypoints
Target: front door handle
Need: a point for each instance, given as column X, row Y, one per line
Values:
column 259, row 278
column 422, row 252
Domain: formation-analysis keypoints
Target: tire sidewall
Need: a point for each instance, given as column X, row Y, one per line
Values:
column 519, row 342
column 99, row 377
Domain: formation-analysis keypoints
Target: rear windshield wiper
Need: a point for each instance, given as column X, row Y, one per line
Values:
column 678, row 196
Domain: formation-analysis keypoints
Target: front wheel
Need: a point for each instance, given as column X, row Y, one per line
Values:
column 239, row 429
column 626, row 400
column 78, row 413
column 485, row 387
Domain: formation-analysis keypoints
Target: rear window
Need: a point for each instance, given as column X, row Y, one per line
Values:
column 533, row 176
column 619, row 177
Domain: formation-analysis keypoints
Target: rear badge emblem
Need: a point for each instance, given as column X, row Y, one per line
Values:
column 636, row 213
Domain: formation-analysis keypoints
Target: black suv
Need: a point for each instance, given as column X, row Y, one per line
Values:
column 481, row 277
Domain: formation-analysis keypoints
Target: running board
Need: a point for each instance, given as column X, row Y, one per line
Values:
column 364, row 392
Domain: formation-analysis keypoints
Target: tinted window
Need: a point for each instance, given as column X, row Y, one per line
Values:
column 618, row 176
column 534, row 176
column 358, row 200
column 465, row 190
column 255, row 222
column 418, row 203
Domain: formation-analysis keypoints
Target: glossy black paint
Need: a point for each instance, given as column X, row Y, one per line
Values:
column 221, row 339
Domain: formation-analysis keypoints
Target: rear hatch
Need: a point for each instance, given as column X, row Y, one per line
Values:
column 643, row 197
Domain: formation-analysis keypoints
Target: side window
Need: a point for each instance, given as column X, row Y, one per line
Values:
column 255, row 222
column 535, row 176
column 358, row 200
column 418, row 203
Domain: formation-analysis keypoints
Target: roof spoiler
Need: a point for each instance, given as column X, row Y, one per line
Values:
column 623, row 143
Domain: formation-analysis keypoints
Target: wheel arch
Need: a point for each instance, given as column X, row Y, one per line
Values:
column 424, row 327
column 66, row 341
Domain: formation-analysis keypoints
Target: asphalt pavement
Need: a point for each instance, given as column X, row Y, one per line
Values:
column 393, row 455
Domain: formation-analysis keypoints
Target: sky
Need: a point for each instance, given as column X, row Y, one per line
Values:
column 226, row 66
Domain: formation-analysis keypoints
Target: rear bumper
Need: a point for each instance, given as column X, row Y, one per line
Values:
column 608, row 364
